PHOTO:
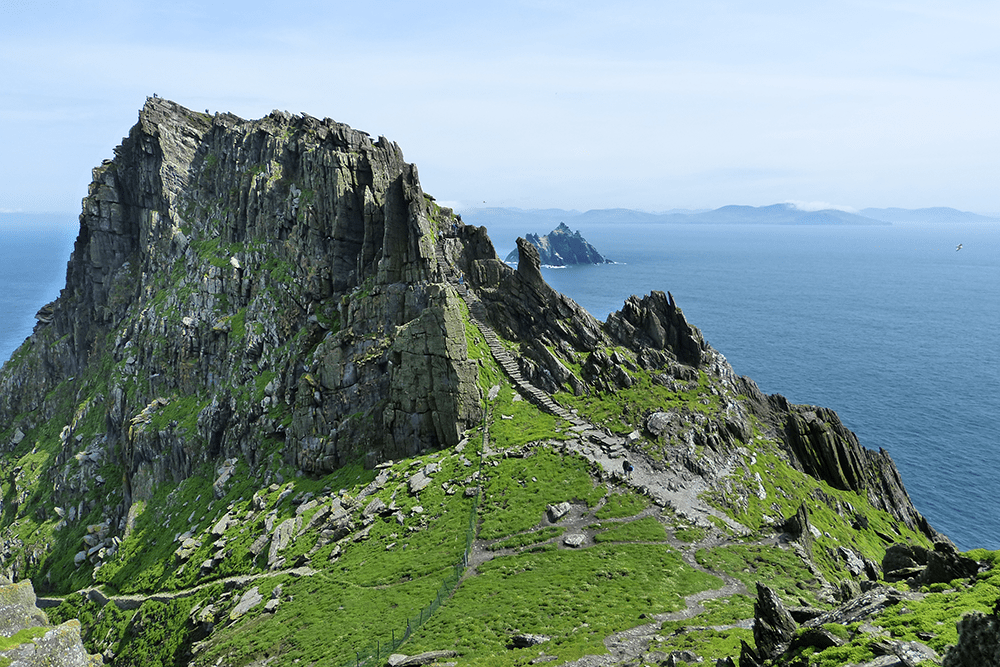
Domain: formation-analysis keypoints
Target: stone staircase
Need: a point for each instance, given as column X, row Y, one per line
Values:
column 477, row 313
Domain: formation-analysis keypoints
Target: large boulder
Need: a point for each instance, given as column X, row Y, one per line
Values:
column 773, row 624
column 945, row 564
column 978, row 642
column 50, row 646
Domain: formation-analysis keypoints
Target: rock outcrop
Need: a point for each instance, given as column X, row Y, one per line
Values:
column 978, row 642
column 561, row 247
column 36, row 642
column 779, row 638
column 905, row 562
column 251, row 283
column 245, row 289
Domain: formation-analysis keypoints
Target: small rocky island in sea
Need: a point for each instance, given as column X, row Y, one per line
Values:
column 562, row 247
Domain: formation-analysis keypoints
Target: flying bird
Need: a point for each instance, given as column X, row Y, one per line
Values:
column 959, row 247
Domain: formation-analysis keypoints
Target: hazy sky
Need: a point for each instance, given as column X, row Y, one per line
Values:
column 577, row 104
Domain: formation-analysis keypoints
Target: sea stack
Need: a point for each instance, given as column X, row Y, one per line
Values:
column 562, row 247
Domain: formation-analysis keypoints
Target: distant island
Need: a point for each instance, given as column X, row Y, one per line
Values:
column 562, row 247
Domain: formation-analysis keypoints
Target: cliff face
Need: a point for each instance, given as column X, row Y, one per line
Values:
column 252, row 297
column 248, row 289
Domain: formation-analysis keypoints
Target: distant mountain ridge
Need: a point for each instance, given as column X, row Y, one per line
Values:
column 942, row 214
column 775, row 214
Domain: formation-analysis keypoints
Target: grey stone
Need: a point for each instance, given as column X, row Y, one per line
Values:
column 558, row 511
column 258, row 544
column 59, row 646
column 527, row 640
column 426, row 658
column 773, row 624
column 978, row 642
column 376, row 506
column 247, row 601
column 281, row 537
column 418, row 482
column 223, row 524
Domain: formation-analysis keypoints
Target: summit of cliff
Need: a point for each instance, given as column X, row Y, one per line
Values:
column 280, row 371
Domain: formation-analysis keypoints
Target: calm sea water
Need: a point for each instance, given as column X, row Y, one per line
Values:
column 889, row 326
column 34, row 251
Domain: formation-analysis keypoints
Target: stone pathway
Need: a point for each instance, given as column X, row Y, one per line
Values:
column 632, row 643
column 128, row 602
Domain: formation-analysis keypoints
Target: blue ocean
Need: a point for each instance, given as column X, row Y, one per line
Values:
column 34, row 250
column 888, row 325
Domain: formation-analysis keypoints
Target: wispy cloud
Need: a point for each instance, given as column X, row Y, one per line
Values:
column 820, row 206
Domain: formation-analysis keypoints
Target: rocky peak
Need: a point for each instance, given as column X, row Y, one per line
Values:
column 287, row 267
column 251, row 299
column 561, row 247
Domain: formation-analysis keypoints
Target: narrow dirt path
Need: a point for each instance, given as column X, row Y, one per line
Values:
column 128, row 602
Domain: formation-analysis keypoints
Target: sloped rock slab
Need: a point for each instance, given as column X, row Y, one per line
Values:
column 250, row 599
column 558, row 511
column 426, row 658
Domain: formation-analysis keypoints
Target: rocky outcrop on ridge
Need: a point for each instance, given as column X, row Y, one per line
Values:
column 561, row 247
column 283, row 286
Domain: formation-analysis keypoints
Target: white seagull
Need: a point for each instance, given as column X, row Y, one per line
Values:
column 959, row 247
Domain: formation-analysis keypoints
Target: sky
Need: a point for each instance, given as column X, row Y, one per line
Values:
column 539, row 103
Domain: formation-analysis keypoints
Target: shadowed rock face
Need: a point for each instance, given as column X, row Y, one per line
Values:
column 978, row 642
column 278, row 277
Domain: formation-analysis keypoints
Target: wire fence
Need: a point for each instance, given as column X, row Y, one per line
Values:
column 383, row 647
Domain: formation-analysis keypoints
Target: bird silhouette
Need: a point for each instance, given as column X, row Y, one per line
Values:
column 959, row 247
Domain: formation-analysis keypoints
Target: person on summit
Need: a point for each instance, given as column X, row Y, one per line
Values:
column 627, row 468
